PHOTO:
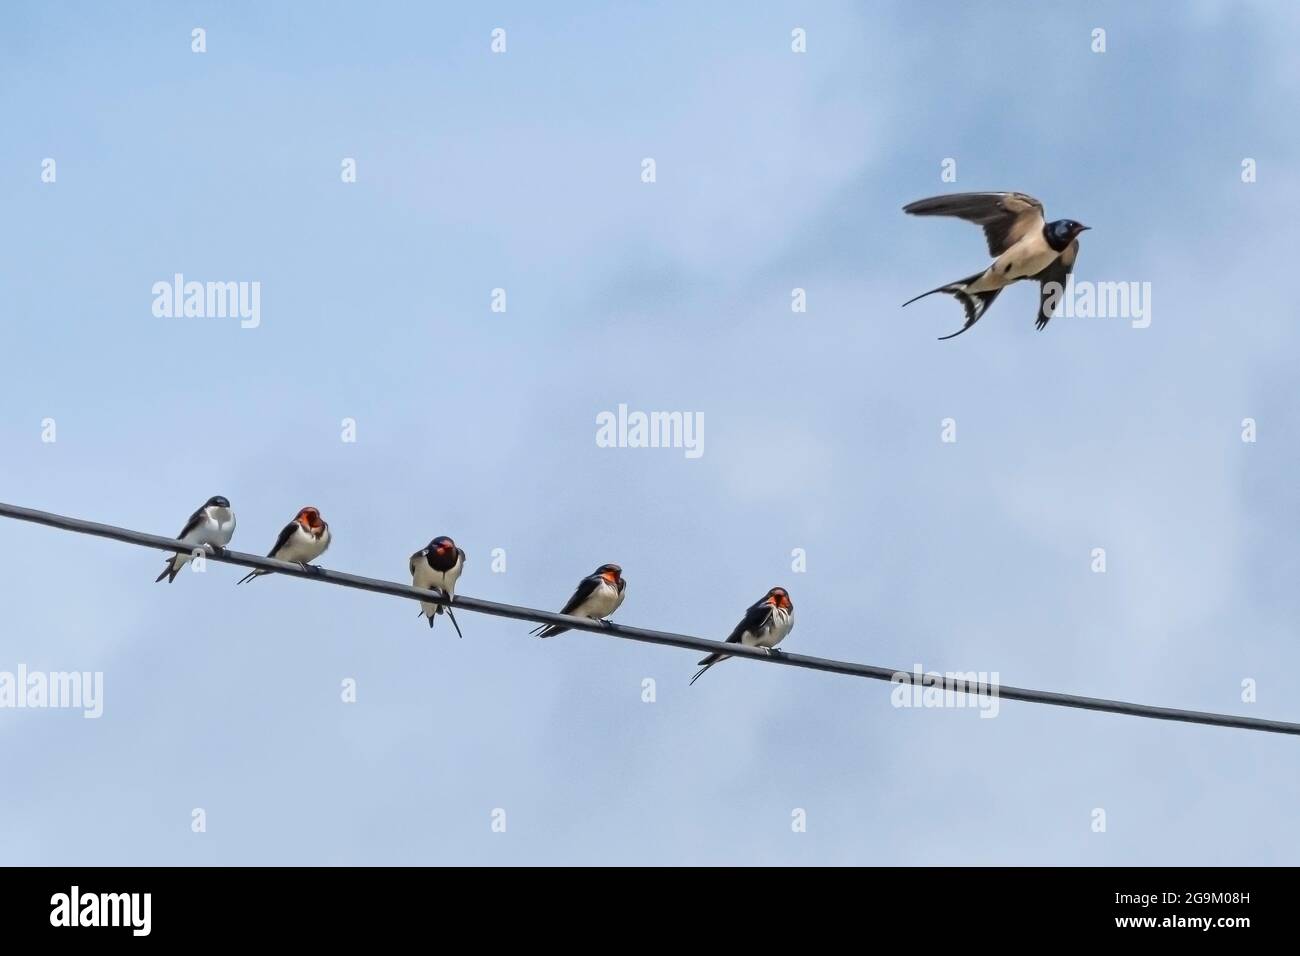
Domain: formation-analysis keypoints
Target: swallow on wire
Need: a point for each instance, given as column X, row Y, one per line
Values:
column 302, row 540
column 597, row 596
column 764, row 625
column 211, row 527
column 438, row 568
column 1022, row 243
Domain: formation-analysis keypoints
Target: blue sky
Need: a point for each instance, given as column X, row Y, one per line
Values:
column 522, row 171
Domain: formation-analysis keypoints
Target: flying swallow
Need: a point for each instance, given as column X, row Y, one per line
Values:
column 764, row 625
column 212, row 526
column 303, row 539
column 438, row 567
column 1022, row 243
column 597, row 596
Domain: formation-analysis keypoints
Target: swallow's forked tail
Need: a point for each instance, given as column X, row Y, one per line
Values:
column 707, row 662
column 255, row 573
column 171, row 569
column 547, row 630
column 975, row 303
column 439, row 609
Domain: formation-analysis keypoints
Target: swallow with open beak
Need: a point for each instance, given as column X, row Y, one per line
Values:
column 764, row 625
column 438, row 567
column 597, row 596
column 303, row 539
column 211, row 527
column 1023, row 245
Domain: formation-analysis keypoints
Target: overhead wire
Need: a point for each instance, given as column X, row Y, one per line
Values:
column 939, row 682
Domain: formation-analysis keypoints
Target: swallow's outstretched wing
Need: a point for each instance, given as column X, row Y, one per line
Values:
column 1054, row 275
column 1006, row 217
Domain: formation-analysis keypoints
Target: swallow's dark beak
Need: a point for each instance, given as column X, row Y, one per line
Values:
column 1084, row 228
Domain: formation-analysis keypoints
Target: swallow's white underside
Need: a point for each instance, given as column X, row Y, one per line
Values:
column 773, row 632
column 427, row 578
column 1028, row 257
column 303, row 547
column 216, row 528
column 602, row 602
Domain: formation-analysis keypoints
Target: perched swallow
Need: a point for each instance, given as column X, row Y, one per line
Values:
column 303, row 539
column 598, row 595
column 212, row 526
column 438, row 567
column 1022, row 244
column 764, row 625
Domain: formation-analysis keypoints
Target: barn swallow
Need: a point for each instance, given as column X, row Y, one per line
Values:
column 304, row 538
column 438, row 567
column 212, row 526
column 764, row 625
column 597, row 596
column 1022, row 244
